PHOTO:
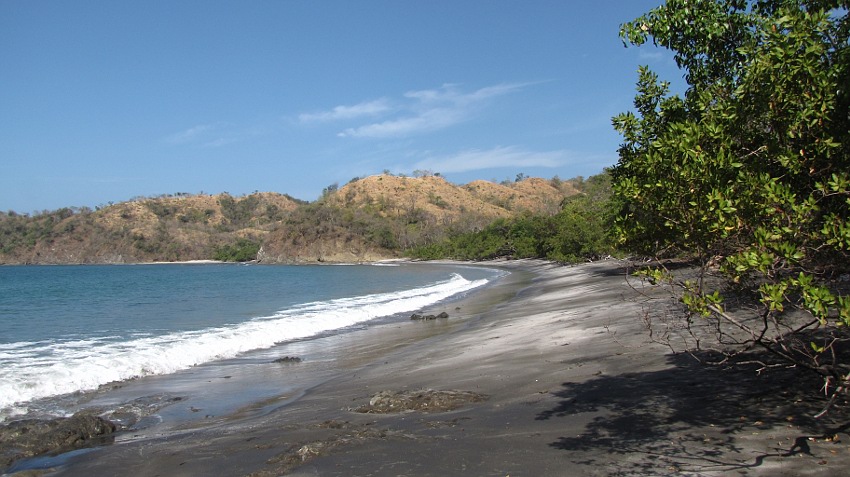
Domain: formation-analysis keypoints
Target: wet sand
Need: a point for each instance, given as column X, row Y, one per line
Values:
column 552, row 373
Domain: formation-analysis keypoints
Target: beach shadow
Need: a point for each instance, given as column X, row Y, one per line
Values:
column 695, row 419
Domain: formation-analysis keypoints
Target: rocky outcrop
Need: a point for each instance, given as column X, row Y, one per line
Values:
column 28, row 438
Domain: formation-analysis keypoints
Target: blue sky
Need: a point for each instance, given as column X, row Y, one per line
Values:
column 103, row 101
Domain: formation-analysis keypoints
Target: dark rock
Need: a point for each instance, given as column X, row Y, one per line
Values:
column 32, row 437
column 417, row 316
column 288, row 359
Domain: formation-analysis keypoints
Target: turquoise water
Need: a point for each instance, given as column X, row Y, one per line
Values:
column 67, row 329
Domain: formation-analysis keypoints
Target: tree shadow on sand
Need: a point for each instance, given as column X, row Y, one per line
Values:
column 700, row 420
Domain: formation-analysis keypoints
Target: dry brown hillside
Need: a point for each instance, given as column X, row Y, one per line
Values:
column 367, row 219
column 167, row 228
column 532, row 194
column 253, row 212
column 433, row 195
column 381, row 216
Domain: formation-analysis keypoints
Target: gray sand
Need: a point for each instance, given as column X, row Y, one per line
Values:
column 547, row 373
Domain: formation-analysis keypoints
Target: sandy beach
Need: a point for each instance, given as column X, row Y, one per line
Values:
column 549, row 372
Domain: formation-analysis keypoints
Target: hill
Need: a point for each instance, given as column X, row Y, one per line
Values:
column 381, row 216
column 367, row 219
column 167, row 228
column 447, row 203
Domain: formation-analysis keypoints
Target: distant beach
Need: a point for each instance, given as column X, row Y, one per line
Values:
column 548, row 372
column 185, row 262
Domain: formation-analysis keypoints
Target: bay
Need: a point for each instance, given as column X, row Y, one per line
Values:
column 66, row 330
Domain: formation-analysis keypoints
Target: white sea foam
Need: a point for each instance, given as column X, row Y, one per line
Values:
column 36, row 370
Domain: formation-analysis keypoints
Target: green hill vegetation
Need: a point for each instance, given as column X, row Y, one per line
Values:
column 748, row 175
column 369, row 218
column 579, row 231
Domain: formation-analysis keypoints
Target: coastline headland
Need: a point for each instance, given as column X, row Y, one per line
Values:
column 548, row 372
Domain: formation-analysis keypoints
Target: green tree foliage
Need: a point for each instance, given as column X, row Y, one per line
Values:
column 244, row 250
column 19, row 231
column 330, row 190
column 322, row 220
column 239, row 212
column 161, row 209
column 751, row 166
column 580, row 231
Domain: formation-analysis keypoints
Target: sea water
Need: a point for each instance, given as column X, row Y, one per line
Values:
column 67, row 330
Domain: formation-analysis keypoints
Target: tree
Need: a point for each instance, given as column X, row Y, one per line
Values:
column 581, row 230
column 244, row 250
column 750, row 169
column 330, row 190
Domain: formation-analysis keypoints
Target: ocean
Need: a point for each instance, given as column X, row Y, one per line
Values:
column 67, row 332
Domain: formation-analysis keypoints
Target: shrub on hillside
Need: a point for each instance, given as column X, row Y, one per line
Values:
column 244, row 250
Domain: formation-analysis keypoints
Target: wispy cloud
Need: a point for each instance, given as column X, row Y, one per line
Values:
column 416, row 112
column 647, row 55
column 429, row 120
column 450, row 93
column 498, row 157
column 192, row 134
column 206, row 135
column 368, row 108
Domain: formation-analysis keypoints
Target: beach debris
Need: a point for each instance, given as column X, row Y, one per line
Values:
column 32, row 437
column 288, row 359
column 347, row 434
column 417, row 316
column 429, row 400
column 334, row 424
column 309, row 451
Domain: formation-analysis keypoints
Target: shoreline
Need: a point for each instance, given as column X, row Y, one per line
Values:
column 254, row 352
column 560, row 380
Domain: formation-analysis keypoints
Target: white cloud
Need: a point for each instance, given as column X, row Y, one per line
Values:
column 428, row 120
column 476, row 159
column 416, row 112
column 221, row 141
column 208, row 135
column 192, row 134
column 368, row 108
column 449, row 93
